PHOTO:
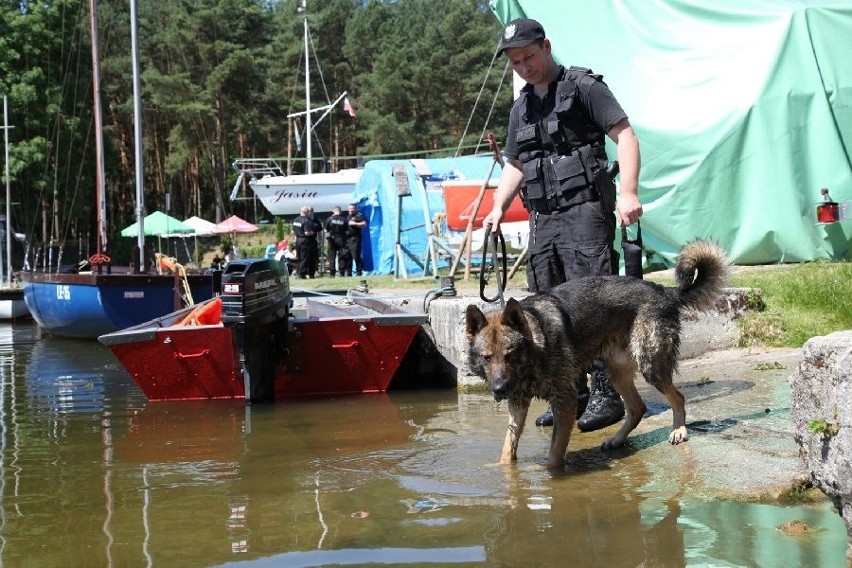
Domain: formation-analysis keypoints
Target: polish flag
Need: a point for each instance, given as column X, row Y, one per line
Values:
column 347, row 106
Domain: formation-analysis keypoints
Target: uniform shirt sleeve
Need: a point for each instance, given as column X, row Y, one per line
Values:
column 510, row 150
column 600, row 103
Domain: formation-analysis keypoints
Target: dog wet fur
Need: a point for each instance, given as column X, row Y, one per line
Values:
column 538, row 346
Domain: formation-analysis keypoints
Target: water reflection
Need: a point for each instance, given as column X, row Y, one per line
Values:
column 91, row 474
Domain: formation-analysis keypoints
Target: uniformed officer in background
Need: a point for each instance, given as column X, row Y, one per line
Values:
column 336, row 228
column 356, row 223
column 307, row 229
column 555, row 157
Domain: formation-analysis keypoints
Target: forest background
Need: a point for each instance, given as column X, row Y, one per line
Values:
column 218, row 79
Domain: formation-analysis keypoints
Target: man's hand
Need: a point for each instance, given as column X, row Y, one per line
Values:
column 493, row 220
column 507, row 189
column 629, row 209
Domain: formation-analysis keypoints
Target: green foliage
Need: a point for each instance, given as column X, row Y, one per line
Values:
column 802, row 301
column 822, row 427
column 279, row 229
column 218, row 77
column 226, row 243
column 775, row 365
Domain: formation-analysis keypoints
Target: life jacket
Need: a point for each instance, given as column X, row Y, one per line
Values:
column 563, row 152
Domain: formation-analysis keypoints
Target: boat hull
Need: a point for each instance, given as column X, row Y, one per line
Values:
column 342, row 356
column 285, row 195
column 347, row 352
column 460, row 197
column 12, row 304
column 85, row 306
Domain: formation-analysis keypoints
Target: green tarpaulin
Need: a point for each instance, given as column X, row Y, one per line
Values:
column 743, row 111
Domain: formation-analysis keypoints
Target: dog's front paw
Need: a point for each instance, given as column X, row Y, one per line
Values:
column 679, row 435
column 614, row 442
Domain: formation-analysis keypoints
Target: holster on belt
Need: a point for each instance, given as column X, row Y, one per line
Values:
column 605, row 187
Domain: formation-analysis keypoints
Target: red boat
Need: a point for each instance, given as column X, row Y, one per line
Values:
column 350, row 345
column 460, row 198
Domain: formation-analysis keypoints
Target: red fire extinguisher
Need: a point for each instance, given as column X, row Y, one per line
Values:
column 828, row 211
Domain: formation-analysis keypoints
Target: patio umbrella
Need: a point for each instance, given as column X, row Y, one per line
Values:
column 203, row 228
column 158, row 224
column 234, row 224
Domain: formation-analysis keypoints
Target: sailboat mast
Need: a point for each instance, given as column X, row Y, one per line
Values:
column 99, row 134
column 137, row 134
column 6, row 128
column 307, row 97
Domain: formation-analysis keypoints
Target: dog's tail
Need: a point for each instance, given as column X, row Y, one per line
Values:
column 701, row 270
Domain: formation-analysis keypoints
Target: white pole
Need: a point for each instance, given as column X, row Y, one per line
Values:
column 308, row 97
column 137, row 134
column 6, row 128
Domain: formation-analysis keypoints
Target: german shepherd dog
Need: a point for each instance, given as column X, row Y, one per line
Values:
column 537, row 347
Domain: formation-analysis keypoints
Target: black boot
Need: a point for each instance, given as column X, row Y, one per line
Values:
column 546, row 419
column 605, row 406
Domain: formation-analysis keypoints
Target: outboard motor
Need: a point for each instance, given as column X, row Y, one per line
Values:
column 256, row 301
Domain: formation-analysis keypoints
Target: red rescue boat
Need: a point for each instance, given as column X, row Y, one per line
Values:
column 348, row 345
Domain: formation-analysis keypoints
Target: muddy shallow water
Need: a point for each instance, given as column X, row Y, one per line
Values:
column 91, row 474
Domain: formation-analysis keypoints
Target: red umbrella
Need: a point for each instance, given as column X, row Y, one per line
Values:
column 234, row 224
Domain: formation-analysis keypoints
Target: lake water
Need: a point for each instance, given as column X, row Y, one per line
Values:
column 91, row 474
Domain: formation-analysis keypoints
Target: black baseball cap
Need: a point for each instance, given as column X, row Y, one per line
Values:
column 520, row 32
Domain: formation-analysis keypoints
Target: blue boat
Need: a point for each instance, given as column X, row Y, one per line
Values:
column 106, row 298
column 88, row 305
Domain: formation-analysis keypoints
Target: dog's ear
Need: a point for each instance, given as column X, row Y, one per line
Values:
column 513, row 317
column 474, row 321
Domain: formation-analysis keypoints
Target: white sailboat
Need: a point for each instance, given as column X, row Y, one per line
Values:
column 284, row 194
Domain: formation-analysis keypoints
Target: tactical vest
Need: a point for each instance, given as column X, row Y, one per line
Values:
column 337, row 226
column 562, row 153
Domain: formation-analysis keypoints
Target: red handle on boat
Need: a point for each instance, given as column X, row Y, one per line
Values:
column 349, row 345
column 201, row 353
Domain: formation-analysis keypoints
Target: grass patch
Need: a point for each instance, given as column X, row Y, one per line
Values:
column 801, row 301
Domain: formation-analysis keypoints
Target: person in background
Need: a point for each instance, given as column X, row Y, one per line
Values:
column 355, row 227
column 320, row 256
column 289, row 257
column 556, row 158
column 338, row 254
column 307, row 248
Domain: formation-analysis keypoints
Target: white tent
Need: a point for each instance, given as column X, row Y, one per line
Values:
column 202, row 228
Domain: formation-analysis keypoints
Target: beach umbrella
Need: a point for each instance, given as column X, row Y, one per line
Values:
column 158, row 224
column 234, row 224
column 203, row 228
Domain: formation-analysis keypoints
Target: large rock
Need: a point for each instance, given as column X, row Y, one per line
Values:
column 822, row 419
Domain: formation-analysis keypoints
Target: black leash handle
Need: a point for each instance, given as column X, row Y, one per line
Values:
column 501, row 275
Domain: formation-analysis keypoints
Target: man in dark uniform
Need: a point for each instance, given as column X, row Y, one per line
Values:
column 555, row 157
column 355, row 225
column 306, row 229
column 336, row 228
